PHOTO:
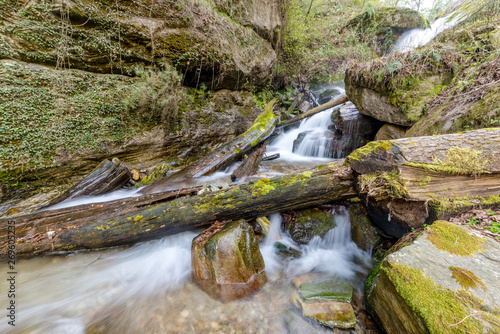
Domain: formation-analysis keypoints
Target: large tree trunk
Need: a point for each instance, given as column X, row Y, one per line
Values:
column 409, row 182
column 147, row 217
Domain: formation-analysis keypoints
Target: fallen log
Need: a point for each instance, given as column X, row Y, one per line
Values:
column 107, row 177
column 250, row 165
column 148, row 217
column 219, row 158
column 331, row 104
column 407, row 183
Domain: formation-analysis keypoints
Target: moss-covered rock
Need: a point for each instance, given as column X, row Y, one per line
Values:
column 227, row 263
column 388, row 22
column 449, row 85
column 113, row 37
column 422, row 288
column 310, row 223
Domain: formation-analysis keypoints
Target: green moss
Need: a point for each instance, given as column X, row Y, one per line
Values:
column 368, row 149
column 466, row 278
column 458, row 160
column 384, row 183
column 442, row 204
column 262, row 187
column 453, row 239
column 155, row 175
column 443, row 310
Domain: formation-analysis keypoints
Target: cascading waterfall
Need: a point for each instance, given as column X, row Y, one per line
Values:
column 418, row 37
column 313, row 138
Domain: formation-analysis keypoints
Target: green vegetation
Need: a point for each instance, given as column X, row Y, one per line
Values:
column 383, row 183
column 444, row 311
column 316, row 43
column 453, row 239
column 367, row 150
column 447, row 205
column 458, row 160
column 46, row 113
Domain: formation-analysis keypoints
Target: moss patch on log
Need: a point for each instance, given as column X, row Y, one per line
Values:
column 371, row 147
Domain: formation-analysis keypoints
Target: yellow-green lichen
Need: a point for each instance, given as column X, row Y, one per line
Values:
column 453, row 239
column 461, row 161
column 444, row 311
column 262, row 187
column 138, row 218
column 467, row 279
column 371, row 147
column 442, row 204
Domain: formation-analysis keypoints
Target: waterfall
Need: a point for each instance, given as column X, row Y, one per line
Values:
column 418, row 37
column 313, row 138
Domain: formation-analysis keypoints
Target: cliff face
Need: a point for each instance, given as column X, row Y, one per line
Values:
column 203, row 43
column 83, row 80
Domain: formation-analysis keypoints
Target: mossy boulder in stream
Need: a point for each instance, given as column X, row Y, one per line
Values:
column 364, row 233
column 227, row 263
column 309, row 223
column 445, row 281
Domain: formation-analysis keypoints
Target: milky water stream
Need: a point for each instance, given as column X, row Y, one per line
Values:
column 418, row 37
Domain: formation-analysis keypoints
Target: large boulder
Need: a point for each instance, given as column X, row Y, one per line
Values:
column 202, row 43
column 227, row 263
column 438, row 88
column 445, row 281
column 263, row 16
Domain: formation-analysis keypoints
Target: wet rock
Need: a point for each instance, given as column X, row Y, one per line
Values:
column 446, row 281
column 334, row 289
column 328, row 95
column 331, row 313
column 364, row 233
column 310, row 223
column 227, row 263
column 390, row 131
column 286, row 251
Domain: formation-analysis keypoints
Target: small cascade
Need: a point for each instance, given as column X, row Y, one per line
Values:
column 333, row 133
column 335, row 254
column 418, row 37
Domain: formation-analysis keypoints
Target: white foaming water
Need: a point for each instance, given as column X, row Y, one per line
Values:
column 59, row 294
column 314, row 144
column 335, row 254
column 117, row 194
column 418, row 37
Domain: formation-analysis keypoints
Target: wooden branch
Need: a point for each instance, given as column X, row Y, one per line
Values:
column 331, row 104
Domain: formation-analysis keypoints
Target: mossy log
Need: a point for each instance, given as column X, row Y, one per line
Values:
column 314, row 111
column 148, row 217
column 409, row 182
column 219, row 158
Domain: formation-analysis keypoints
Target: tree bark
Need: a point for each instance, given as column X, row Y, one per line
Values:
column 250, row 165
column 407, row 183
column 148, row 217
column 331, row 104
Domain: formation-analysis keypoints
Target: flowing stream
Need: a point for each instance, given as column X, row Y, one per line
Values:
column 418, row 37
column 147, row 288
